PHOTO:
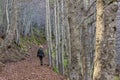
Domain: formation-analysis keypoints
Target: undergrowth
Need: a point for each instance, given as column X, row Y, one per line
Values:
column 36, row 38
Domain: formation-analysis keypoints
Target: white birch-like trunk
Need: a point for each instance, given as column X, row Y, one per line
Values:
column 58, row 35
column 48, row 30
column 11, row 29
column 63, row 35
column 56, row 32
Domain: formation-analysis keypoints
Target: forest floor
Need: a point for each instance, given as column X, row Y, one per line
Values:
column 29, row 69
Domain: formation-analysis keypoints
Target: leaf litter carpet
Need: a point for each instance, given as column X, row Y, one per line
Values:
column 29, row 69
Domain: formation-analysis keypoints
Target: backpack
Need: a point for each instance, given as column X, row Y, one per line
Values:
column 40, row 52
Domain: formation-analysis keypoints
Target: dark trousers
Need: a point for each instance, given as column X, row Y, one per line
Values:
column 41, row 60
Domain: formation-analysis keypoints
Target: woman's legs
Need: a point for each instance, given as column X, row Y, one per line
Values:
column 41, row 60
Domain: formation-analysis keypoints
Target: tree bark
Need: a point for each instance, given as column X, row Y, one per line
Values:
column 74, row 66
column 104, row 64
column 11, row 28
column 63, row 35
column 56, row 33
column 48, row 30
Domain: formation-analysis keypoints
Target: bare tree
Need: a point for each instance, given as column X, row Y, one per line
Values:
column 48, row 30
column 104, row 64
column 74, row 66
column 11, row 28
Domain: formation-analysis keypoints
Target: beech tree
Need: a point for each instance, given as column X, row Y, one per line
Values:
column 80, row 34
column 104, row 65
column 48, row 30
column 11, row 23
column 74, row 66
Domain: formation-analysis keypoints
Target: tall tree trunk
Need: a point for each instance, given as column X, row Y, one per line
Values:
column 56, row 33
column 67, row 40
column 63, row 35
column 85, row 43
column 48, row 30
column 85, row 52
column 59, row 36
column 74, row 66
column 11, row 29
column 3, row 20
column 104, row 65
column 15, row 23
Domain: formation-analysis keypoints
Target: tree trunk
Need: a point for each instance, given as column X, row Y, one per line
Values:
column 56, row 33
column 63, row 36
column 74, row 66
column 48, row 30
column 11, row 28
column 104, row 64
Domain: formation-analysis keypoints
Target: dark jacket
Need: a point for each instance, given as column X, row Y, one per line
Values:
column 40, row 52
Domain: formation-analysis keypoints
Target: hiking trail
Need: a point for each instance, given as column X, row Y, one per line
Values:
column 29, row 69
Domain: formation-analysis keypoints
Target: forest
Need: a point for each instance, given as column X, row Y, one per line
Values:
column 80, row 39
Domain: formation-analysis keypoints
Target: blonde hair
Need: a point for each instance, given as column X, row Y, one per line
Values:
column 40, row 46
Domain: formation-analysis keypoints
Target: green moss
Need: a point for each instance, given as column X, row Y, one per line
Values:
column 116, row 78
column 65, row 63
column 23, row 44
column 53, row 53
column 55, row 69
column 36, row 38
